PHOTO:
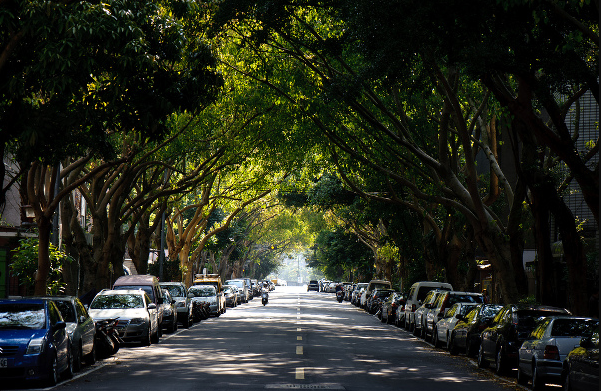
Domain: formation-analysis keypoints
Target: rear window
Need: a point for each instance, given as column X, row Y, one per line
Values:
column 66, row 309
column 464, row 299
column 528, row 318
column 573, row 327
column 376, row 285
column 205, row 291
column 239, row 284
column 146, row 288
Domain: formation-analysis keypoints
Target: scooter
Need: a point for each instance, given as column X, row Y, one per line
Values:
column 340, row 296
column 264, row 297
column 107, row 341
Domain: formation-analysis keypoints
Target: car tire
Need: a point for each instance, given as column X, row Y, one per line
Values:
column 156, row 336
column 52, row 373
column 435, row 340
column 567, row 386
column 90, row 358
column 68, row 372
column 538, row 383
column 482, row 363
column 186, row 321
column 451, row 345
column 522, row 378
column 500, row 361
column 77, row 359
column 147, row 339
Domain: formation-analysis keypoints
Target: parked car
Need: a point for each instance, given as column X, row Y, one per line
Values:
column 183, row 303
column 80, row 328
column 150, row 284
column 137, row 314
column 415, row 298
column 441, row 335
column 466, row 333
column 313, row 286
column 244, row 289
column 208, row 294
column 581, row 367
column 541, row 356
column 390, row 306
column 35, row 343
column 443, row 303
column 419, row 321
column 169, row 312
column 357, row 291
column 512, row 325
column 231, row 295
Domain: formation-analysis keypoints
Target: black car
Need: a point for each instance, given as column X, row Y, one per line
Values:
column 313, row 286
column 581, row 367
column 501, row 341
column 390, row 306
column 465, row 336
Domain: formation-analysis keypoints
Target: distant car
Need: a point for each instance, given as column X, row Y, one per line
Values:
column 443, row 303
column 207, row 293
column 169, row 312
column 378, row 296
column 136, row 312
column 35, row 343
column 231, row 295
column 444, row 327
column 415, row 298
column 313, row 286
column 419, row 316
column 541, row 356
column 244, row 289
column 183, row 303
column 501, row 341
column 581, row 367
column 390, row 306
column 80, row 328
column 357, row 291
column 466, row 333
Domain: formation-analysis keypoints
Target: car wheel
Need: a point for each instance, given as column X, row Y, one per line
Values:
column 156, row 336
column 68, row 372
column 147, row 340
column 77, row 359
column 186, row 321
column 90, row 359
column 500, row 361
column 451, row 346
column 416, row 331
column 566, row 382
column 482, row 363
column 537, row 382
column 52, row 373
column 522, row 378
column 435, row 340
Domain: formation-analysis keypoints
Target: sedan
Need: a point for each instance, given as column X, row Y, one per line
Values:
column 466, row 333
column 34, row 341
column 183, row 303
column 541, row 356
column 80, row 328
column 444, row 327
column 581, row 367
column 231, row 295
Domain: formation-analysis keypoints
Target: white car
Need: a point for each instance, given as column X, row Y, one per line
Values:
column 208, row 293
column 443, row 329
column 137, row 314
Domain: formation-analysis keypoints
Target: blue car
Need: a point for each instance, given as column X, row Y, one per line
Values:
column 34, row 344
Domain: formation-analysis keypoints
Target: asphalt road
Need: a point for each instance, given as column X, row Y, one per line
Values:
column 300, row 340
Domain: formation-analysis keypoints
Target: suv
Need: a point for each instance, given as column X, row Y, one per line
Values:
column 313, row 286
column 371, row 287
column 446, row 301
column 183, row 303
column 419, row 321
column 415, row 297
column 512, row 325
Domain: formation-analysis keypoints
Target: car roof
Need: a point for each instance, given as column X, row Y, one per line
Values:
column 121, row 291
column 137, row 279
column 25, row 300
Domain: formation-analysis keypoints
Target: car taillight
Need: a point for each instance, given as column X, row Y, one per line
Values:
column 551, row 352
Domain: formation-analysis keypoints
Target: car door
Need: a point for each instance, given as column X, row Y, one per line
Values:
column 59, row 336
column 490, row 334
column 153, row 314
column 87, row 327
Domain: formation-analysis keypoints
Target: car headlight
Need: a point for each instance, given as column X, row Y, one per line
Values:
column 36, row 346
column 137, row 321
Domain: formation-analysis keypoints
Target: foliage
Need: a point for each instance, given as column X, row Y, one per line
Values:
column 24, row 261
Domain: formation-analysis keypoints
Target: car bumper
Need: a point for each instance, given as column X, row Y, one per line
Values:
column 132, row 332
column 168, row 320
column 26, row 367
column 214, row 308
column 550, row 370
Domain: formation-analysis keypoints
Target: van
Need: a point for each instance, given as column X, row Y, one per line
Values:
column 149, row 284
column 417, row 293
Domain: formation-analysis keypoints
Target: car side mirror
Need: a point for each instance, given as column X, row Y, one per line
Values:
column 152, row 306
column 60, row 325
column 82, row 319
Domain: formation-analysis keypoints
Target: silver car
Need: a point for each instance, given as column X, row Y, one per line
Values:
column 541, row 356
column 183, row 302
column 231, row 295
column 242, row 287
column 80, row 328
column 207, row 293
column 136, row 312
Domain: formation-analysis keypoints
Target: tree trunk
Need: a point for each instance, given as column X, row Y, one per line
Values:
column 41, row 276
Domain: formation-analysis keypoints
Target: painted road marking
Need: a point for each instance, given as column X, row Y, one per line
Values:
column 299, row 350
column 318, row 386
column 300, row 373
column 299, row 329
column 299, row 338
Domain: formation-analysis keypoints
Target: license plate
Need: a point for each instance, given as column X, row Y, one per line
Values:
column 3, row 362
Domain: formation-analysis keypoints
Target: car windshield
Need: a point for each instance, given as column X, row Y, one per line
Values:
column 203, row 292
column 528, row 318
column 175, row 290
column 465, row 299
column 22, row 316
column 375, row 286
column 465, row 309
column 490, row 311
column 125, row 301
column 239, row 284
column 145, row 288
column 383, row 293
column 573, row 327
column 66, row 309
